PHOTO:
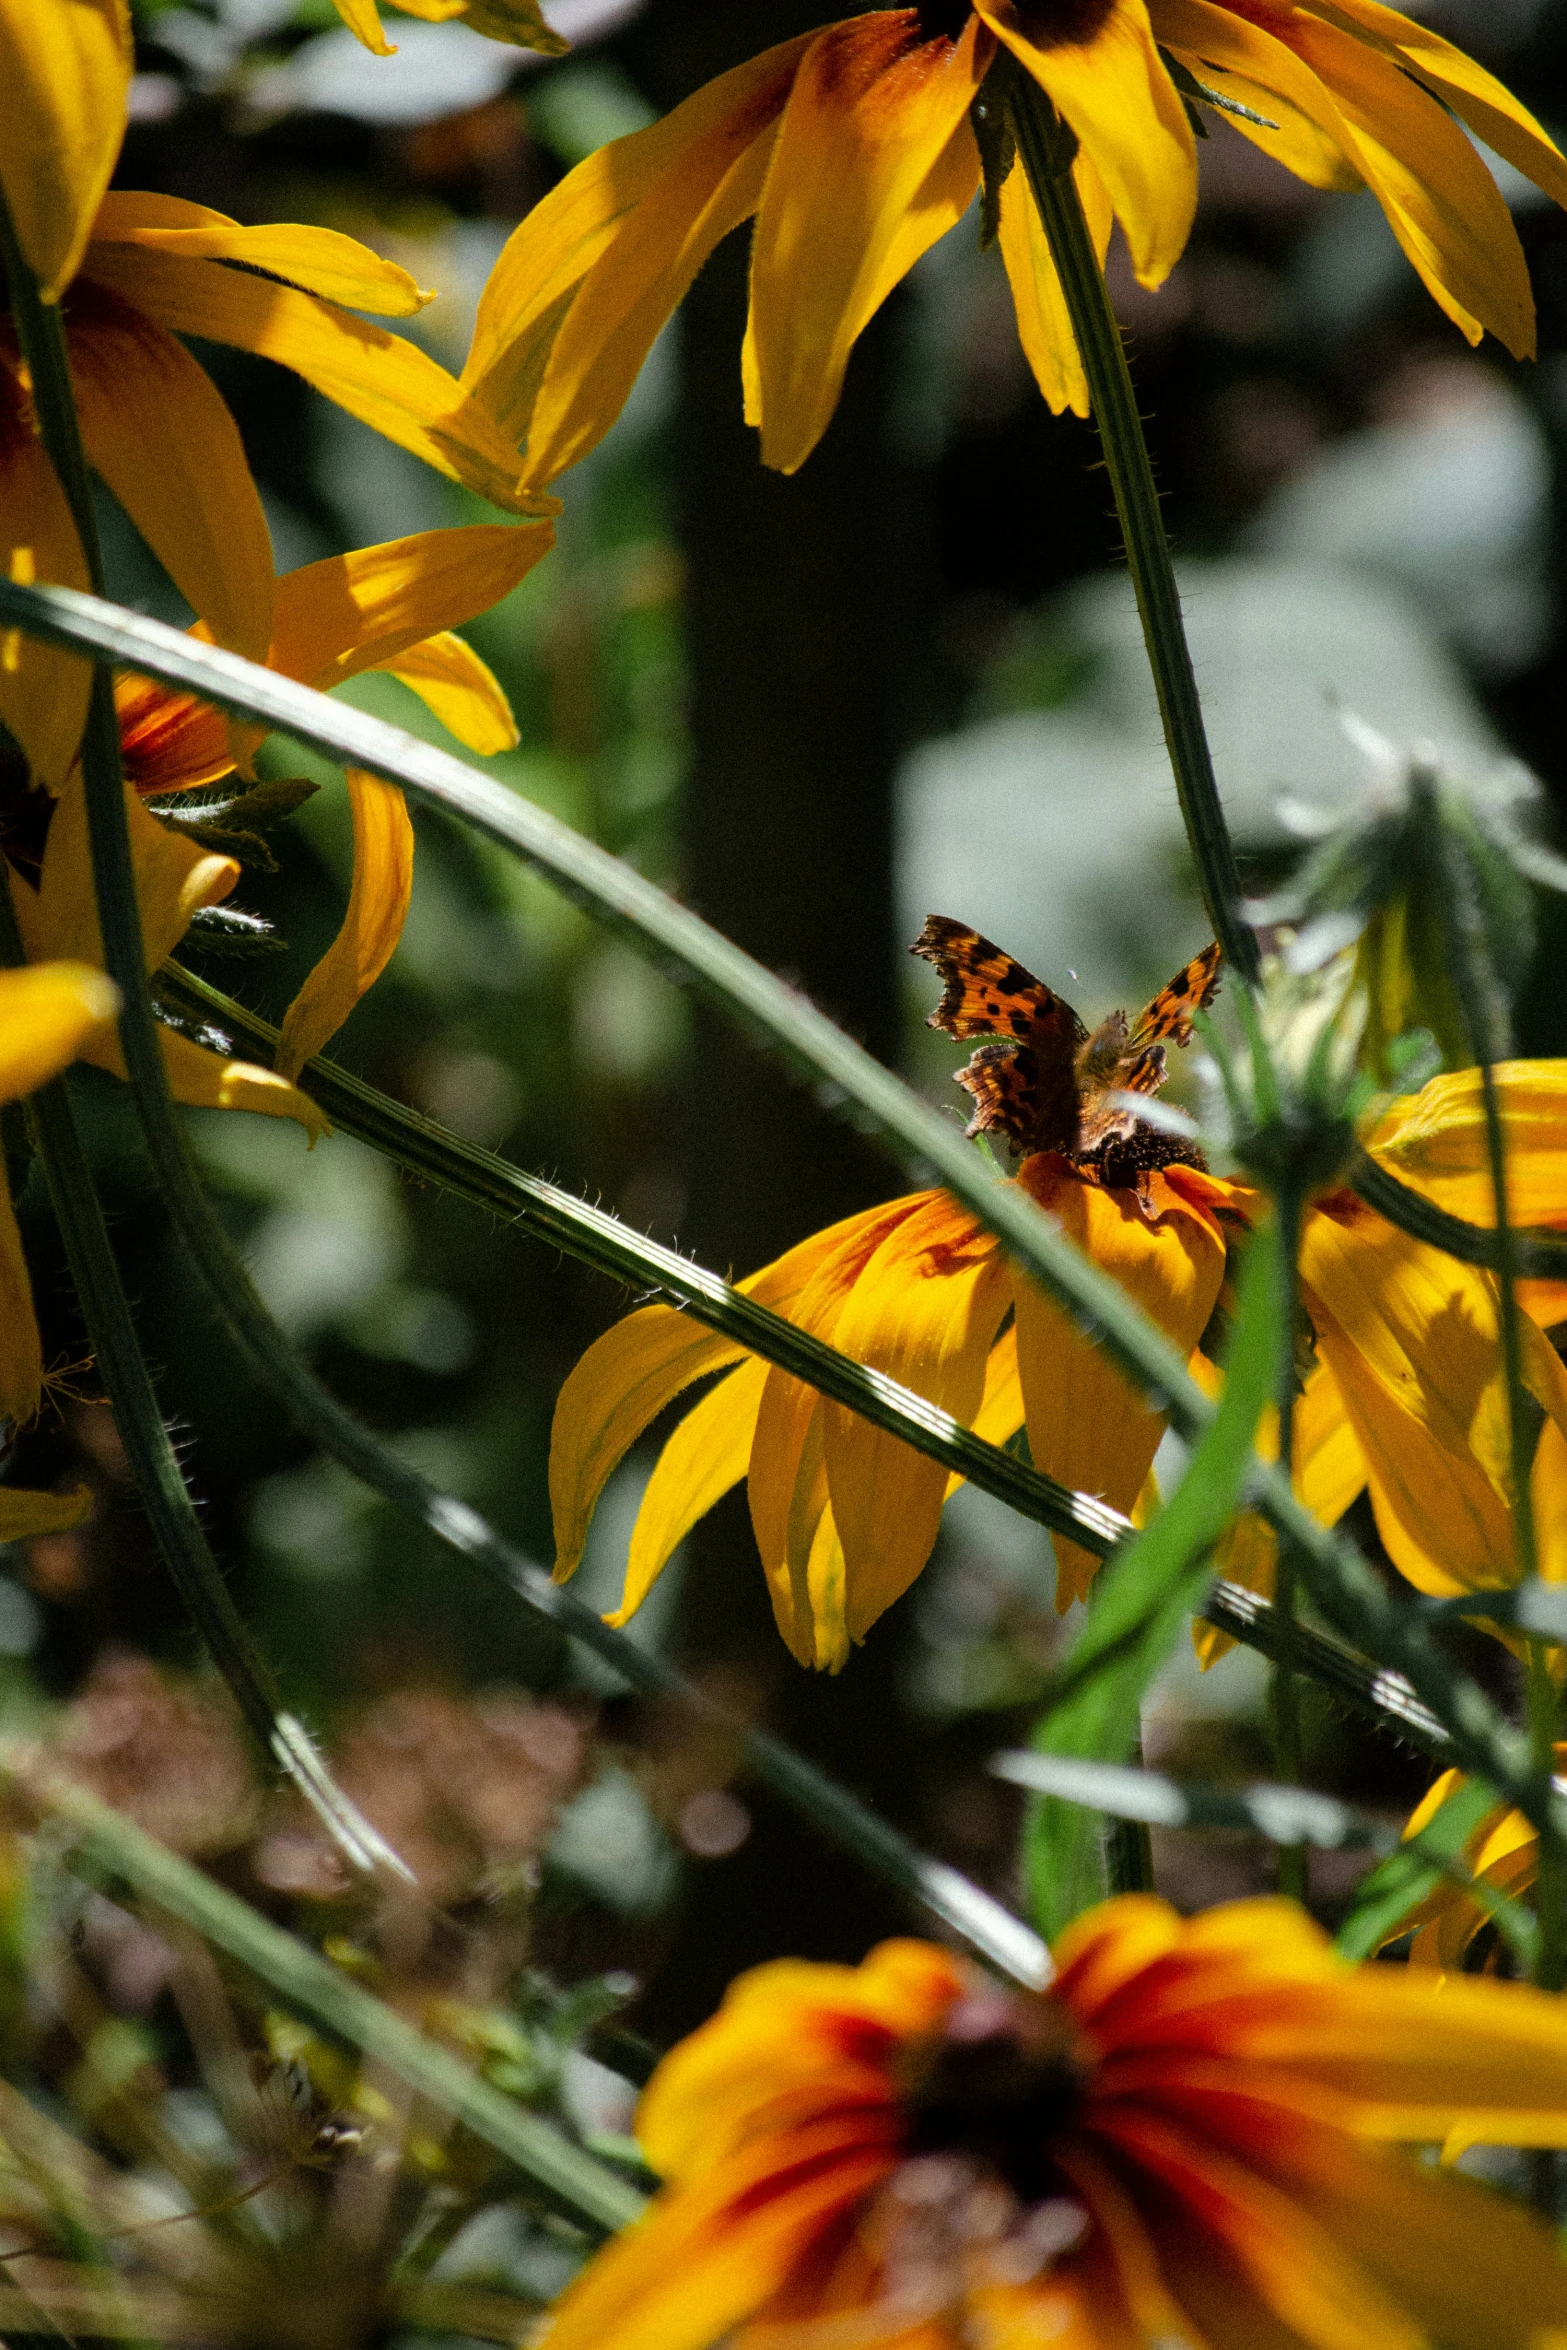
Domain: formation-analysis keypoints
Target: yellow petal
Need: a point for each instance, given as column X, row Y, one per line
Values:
column 43, row 692
column 1000, row 1413
column 21, row 1356
column 1115, row 93
column 1087, row 1427
column 22, row 1515
column 519, row 21
column 363, row 18
column 353, row 612
column 703, row 1460
column 711, row 184
column 321, row 260
column 1044, row 329
column 65, row 68
column 378, row 901
column 1476, row 97
column 46, row 1010
column 874, row 160
column 174, row 876
column 1435, row 1141
column 204, row 1080
column 161, row 436
column 628, row 1376
column 924, row 1309
column 459, row 689
column 377, row 376
column 674, row 166
column 168, row 741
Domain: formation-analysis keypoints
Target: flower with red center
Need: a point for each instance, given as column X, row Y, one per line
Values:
column 854, row 147
column 1193, row 2136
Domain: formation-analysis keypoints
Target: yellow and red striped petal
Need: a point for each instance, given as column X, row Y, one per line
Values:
column 319, row 260
column 873, row 161
column 1114, row 91
column 386, row 382
column 43, row 692
column 1087, row 1427
column 168, row 741
column 65, row 70
column 924, row 1309
column 378, row 902
column 707, row 183
column 160, row 434
column 47, row 1010
column 24, row 1514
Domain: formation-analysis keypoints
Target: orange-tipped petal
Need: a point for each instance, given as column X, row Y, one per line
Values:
column 1087, row 1426
column 43, row 692
column 47, row 1010
column 710, row 183
column 1114, row 91
column 386, row 382
column 924, row 1309
column 319, row 260
column 65, row 69
column 158, row 431
column 378, row 902
column 874, row 160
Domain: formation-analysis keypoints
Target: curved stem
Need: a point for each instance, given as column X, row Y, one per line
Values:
column 1284, row 1707
column 1046, row 148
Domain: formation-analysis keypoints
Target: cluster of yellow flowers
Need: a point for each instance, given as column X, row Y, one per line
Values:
column 1188, row 2137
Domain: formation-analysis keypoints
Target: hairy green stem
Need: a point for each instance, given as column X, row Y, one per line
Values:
column 1284, row 1697
column 1047, row 148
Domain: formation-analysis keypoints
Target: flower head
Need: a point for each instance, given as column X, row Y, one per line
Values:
column 844, row 1515
column 855, row 147
column 1190, row 2137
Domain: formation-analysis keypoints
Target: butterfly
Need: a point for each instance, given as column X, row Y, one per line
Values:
column 1043, row 1081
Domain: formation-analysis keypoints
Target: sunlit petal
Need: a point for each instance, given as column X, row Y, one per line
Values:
column 459, row 689
column 1044, row 329
column 320, row 260
column 43, row 692
column 65, row 70
column 46, row 1011
column 355, row 611
column 703, row 1460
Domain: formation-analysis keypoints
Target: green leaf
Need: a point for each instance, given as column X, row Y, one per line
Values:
column 236, row 824
column 1141, row 1601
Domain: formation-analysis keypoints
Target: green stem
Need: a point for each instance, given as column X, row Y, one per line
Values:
column 1538, row 1254
column 1342, row 1582
column 1284, row 1708
column 1047, row 148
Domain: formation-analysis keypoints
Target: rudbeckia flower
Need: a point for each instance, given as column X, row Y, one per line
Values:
column 157, row 431
column 854, row 148
column 1193, row 2136
column 519, row 21
column 844, row 1515
column 1503, row 1853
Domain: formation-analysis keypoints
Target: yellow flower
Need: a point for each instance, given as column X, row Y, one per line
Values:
column 1503, row 1852
column 1193, row 2136
column 519, row 21
column 854, row 149
column 156, row 429
column 844, row 1515
column 393, row 608
column 48, row 1014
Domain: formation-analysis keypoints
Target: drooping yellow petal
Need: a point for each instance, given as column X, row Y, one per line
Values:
column 363, row 18
column 1044, row 329
column 520, row 22
column 704, row 1459
column 46, row 1012
column 355, row 611
column 711, row 183
column 1114, row 91
column 377, row 376
column 320, row 260
column 677, row 163
column 1000, row 1413
column 23, row 1514
column 43, row 692
column 873, row 161
column 378, row 902
column 205, row 1080
column 1087, row 1427
column 174, row 876
column 1476, row 97
column 459, row 689
column 628, row 1376
column 1411, row 1338
column 1434, row 1140
column 924, row 1309
column 158, row 431
column 21, row 1355
column 65, row 70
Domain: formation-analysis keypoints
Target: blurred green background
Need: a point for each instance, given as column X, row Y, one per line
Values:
column 907, row 680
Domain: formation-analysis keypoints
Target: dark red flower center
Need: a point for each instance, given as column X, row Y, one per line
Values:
column 1002, row 2082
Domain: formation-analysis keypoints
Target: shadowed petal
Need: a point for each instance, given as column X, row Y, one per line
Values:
column 1044, row 329
column 21, row 1356
column 22, row 1515
column 46, row 1011
column 378, row 901
column 321, row 260
column 704, row 1459
column 43, row 692
column 459, row 689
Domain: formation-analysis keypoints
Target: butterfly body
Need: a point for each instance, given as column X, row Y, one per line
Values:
column 1041, row 1078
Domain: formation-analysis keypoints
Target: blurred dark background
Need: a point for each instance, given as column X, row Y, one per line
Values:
column 816, row 708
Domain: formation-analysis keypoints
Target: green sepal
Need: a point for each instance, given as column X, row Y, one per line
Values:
column 236, row 825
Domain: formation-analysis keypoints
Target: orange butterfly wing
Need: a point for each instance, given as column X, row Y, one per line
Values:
column 1168, row 1019
column 1024, row 1084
